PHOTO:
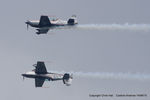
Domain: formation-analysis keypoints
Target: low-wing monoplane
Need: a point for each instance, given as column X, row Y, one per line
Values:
column 45, row 23
column 40, row 74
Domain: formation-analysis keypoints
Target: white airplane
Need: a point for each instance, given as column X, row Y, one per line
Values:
column 40, row 74
column 44, row 24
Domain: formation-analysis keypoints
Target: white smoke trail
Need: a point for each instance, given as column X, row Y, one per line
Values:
column 117, row 27
column 109, row 75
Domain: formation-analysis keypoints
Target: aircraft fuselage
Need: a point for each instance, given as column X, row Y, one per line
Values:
column 48, row 76
column 40, row 74
column 44, row 24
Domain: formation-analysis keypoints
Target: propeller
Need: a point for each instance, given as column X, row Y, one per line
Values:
column 27, row 26
column 27, row 22
column 23, row 78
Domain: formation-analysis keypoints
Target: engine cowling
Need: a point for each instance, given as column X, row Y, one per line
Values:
column 71, row 21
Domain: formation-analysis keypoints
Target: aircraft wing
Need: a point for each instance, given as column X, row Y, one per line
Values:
column 44, row 21
column 39, row 82
column 40, row 68
column 42, row 30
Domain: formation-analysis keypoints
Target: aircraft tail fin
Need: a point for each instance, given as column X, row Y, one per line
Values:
column 72, row 20
column 67, row 79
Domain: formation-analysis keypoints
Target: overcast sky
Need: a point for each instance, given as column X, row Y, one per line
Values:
column 74, row 50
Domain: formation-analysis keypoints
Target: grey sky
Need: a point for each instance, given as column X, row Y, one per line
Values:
column 74, row 50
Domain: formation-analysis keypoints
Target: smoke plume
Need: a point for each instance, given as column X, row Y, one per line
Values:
column 108, row 75
column 117, row 27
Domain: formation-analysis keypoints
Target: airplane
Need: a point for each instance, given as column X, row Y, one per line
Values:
column 44, row 24
column 40, row 75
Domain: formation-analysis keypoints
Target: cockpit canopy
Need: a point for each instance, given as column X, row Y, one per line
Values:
column 53, row 18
